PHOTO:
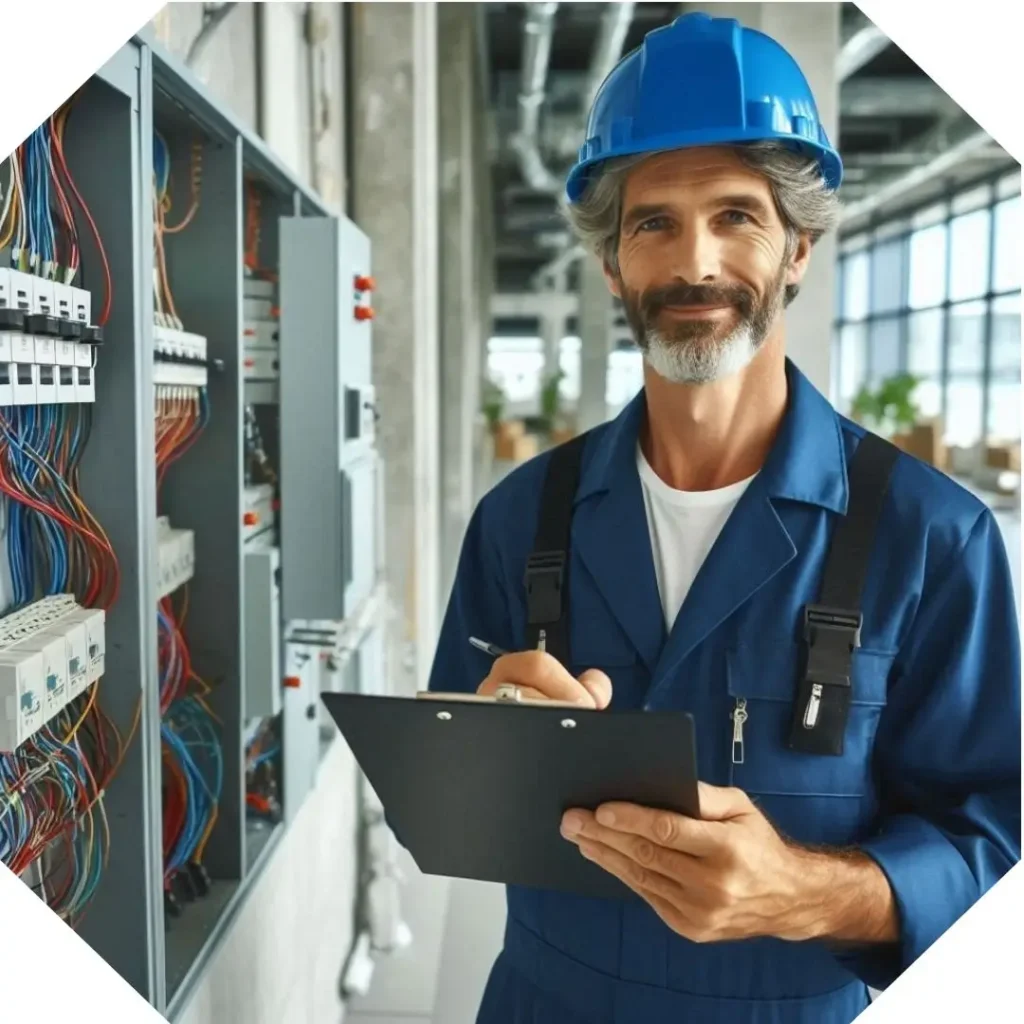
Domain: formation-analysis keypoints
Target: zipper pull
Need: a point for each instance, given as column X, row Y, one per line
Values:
column 738, row 716
column 813, row 706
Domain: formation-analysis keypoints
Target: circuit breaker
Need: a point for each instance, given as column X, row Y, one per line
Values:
column 328, row 412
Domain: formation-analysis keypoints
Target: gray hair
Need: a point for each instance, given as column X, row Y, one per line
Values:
column 804, row 203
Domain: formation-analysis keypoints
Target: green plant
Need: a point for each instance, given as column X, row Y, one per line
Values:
column 891, row 407
column 493, row 404
column 551, row 400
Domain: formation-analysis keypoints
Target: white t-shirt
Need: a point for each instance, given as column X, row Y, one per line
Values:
column 684, row 526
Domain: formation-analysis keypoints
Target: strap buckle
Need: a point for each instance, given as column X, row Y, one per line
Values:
column 545, row 575
column 832, row 635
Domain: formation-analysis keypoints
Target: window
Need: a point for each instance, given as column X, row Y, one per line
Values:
column 625, row 378
column 928, row 267
column 1004, row 410
column 887, row 277
column 516, row 365
column 856, row 286
column 963, row 412
column 937, row 295
column 928, row 397
column 1006, row 272
column 853, row 361
column 885, row 348
column 569, row 364
column 969, row 255
column 924, row 344
column 967, row 338
column 1006, row 337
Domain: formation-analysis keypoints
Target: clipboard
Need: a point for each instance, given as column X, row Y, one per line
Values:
column 476, row 789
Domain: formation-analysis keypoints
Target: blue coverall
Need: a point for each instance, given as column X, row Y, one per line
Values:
column 929, row 783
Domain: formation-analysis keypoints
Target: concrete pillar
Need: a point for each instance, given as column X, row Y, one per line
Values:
column 394, row 199
column 552, row 330
column 461, row 258
column 595, row 333
column 811, row 33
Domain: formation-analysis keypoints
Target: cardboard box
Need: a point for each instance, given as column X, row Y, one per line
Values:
column 924, row 442
column 561, row 435
column 510, row 430
column 1003, row 456
column 515, row 449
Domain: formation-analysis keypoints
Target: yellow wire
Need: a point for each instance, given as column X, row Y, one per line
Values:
column 12, row 211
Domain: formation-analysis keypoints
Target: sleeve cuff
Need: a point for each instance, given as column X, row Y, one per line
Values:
column 932, row 886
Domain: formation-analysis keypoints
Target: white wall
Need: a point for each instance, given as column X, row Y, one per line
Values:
column 281, row 962
column 297, row 100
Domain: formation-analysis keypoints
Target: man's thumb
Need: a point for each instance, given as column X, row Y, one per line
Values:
column 719, row 804
column 599, row 686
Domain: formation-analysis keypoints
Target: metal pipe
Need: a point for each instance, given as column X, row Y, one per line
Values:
column 892, row 190
column 611, row 37
column 213, row 18
column 859, row 50
column 538, row 33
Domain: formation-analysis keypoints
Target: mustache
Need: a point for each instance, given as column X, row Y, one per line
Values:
column 652, row 302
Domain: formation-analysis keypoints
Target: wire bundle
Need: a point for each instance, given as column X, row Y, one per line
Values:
column 193, row 764
column 52, row 787
column 54, row 543
column 37, row 218
column 253, row 229
column 52, row 812
column 261, row 794
column 166, row 311
column 51, row 806
column 182, row 414
column 192, row 754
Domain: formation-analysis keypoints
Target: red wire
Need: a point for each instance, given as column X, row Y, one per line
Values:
column 108, row 282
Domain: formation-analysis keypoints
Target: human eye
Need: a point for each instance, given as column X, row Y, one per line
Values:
column 652, row 224
column 737, row 217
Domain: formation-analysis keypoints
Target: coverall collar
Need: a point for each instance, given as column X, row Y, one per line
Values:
column 807, row 462
column 806, row 465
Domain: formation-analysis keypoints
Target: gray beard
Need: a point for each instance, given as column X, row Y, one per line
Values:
column 700, row 361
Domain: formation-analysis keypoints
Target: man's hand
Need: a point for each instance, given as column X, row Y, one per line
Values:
column 731, row 876
column 542, row 677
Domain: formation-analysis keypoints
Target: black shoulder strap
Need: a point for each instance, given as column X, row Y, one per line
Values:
column 547, row 568
column 832, row 627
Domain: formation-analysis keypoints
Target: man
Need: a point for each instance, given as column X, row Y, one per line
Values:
column 843, row 828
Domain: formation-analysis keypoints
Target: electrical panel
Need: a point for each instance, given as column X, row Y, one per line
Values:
column 327, row 415
column 160, row 567
column 262, row 634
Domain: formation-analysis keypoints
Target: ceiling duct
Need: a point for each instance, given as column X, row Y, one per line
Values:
column 611, row 38
column 860, row 50
column 538, row 33
column 974, row 144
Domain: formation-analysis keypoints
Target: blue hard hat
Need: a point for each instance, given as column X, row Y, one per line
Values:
column 703, row 81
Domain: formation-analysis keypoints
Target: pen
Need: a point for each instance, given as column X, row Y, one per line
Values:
column 497, row 652
column 483, row 645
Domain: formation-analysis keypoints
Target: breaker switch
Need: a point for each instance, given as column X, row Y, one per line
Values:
column 292, row 682
column 364, row 283
column 364, row 313
column 250, row 518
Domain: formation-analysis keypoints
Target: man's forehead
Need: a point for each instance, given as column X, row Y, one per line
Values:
column 705, row 169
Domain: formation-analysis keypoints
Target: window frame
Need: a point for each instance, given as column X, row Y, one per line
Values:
column 883, row 233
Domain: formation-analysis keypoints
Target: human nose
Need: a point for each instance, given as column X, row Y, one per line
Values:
column 696, row 255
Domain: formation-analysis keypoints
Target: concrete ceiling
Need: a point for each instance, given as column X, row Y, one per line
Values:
column 893, row 120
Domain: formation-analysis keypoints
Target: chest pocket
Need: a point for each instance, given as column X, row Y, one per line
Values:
column 763, row 682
